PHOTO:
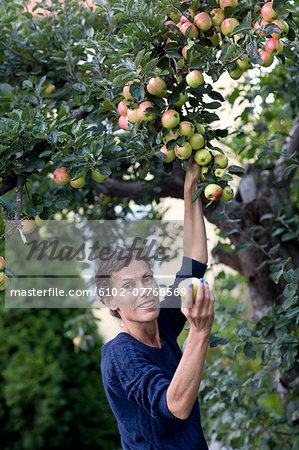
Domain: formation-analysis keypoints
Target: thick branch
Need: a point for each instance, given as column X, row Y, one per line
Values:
column 9, row 183
column 229, row 259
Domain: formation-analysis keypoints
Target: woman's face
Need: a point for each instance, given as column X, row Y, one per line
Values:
column 135, row 293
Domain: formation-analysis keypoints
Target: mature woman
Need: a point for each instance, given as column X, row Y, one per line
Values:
column 151, row 386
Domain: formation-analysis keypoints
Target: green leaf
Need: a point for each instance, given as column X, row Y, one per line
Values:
column 288, row 236
column 242, row 246
column 149, row 66
column 250, row 349
column 253, row 54
column 237, row 170
column 137, row 91
column 277, row 4
column 217, row 215
column 139, row 58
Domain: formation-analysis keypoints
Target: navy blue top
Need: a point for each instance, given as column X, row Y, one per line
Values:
column 136, row 377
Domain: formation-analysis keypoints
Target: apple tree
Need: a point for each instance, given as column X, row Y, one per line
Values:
column 103, row 105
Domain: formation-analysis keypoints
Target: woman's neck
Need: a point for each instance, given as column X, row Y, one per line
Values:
column 147, row 333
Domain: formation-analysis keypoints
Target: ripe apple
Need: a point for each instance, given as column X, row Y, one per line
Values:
column 274, row 46
column 183, row 152
column 203, row 170
column 39, row 222
column 48, row 88
column 126, row 91
column 227, row 194
column 170, row 136
column 236, row 74
column 182, row 99
column 2, row 263
column 202, row 157
column 189, row 30
column 186, row 129
column 268, row 12
column 195, row 79
column 123, row 122
column 257, row 26
column 267, row 58
column 284, row 27
column 221, row 161
column 78, row 183
column 224, row 3
column 200, row 128
column 170, row 155
column 132, row 115
column 98, row 177
column 156, row 86
column 143, row 114
column 218, row 16
column 170, row 119
column 219, row 173
column 197, row 141
column 203, row 21
column 213, row 192
column 243, row 62
column 183, row 286
column 228, row 26
column 61, row 176
column 184, row 51
column 122, row 107
column 28, row 225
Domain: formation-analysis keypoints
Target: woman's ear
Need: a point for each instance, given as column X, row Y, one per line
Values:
column 109, row 302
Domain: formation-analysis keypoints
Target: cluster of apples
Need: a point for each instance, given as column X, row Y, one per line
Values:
column 62, row 176
column 4, row 280
column 273, row 45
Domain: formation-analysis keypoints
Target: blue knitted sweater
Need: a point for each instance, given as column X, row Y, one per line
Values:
column 136, row 377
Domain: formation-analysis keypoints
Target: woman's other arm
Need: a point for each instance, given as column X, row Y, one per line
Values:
column 195, row 239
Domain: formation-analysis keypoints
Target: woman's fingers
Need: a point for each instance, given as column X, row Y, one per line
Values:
column 187, row 300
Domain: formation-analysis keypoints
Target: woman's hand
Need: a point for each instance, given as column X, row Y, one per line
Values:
column 200, row 314
column 192, row 173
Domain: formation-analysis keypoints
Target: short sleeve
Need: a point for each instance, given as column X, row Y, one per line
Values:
column 141, row 381
column 171, row 319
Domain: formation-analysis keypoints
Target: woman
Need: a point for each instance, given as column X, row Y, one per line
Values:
column 151, row 387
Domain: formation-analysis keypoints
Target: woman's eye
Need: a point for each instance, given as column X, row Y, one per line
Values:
column 149, row 278
column 127, row 286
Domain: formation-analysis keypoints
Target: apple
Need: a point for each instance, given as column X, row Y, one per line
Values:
column 282, row 24
column 268, row 12
column 228, row 26
column 273, row 46
column 213, row 192
column 227, row 194
column 189, row 30
column 123, row 122
column 220, row 160
column 183, row 152
column 4, row 281
column 267, row 58
column 28, row 225
column 2, row 263
column 236, row 74
column 78, row 183
column 186, row 129
column 184, row 51
column 197, row 141
column 170, row 155
column 39, row 222
column 122, row 107
column 224, row 3
column 202, row 157
column 195, row 79
column 170, row 136
column 219, row 173
column 98, row 177
column 48, row 88
column 184, row 19
column 203, row 170
column 61, row 176
column 132, row 115
column 126, row 91
column 200, row 128
column 182, row 99
column 203, row 21
column 257, row 26
column 156, row 86
column 77, row 340
column 170, row 119
column 218, row 16
column 183, row 286
column 243, row 62
column 143, row 114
